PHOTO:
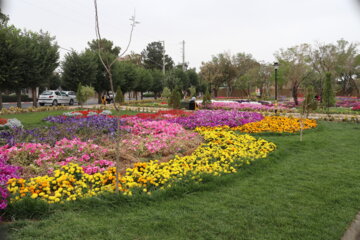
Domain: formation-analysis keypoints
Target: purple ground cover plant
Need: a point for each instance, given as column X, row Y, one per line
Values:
column 212, row 118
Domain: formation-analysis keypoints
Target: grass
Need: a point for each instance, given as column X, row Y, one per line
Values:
column 34, row 119
column 305, row 190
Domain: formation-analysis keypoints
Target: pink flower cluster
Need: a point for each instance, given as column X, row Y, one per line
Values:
column 243, row 106
column 155, row 136
column 64, row 152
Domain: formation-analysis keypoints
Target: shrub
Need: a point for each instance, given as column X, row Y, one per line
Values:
column 175, row 99
column 119, row 98
column 84, row 93
column 328, row 96
column 166, row 93
column 206, row 99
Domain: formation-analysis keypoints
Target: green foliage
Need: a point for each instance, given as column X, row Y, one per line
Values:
column 143, row 80
column 157, row 83
column 166, row 93
column 153, row 57
column 175, row 99
column 84, row 93
column 328, row 96
column 119, row 98
column 206, row 99
column 192, row 91
column 79, row 68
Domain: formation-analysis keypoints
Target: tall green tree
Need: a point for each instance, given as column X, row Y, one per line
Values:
column 40, row 60
column 328, row 93
column 11, row 60
column 79, row 68
column 157, row 83
column 144, row 81
column 106, row 53
column 152, row 57
column 296, row 66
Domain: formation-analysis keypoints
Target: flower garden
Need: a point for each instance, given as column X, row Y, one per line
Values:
column 75, row 156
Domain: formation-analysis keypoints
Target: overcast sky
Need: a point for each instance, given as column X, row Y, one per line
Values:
column 209, row 27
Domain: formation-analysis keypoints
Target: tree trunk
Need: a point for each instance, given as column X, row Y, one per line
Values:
column 136, row 95
column 155, row 95
column 18, row 98
column 215, row 92
column 34, row 97
column 1, row 101
column 142, row 95
column 294, row 95
column 129, row 95
column 99, row 97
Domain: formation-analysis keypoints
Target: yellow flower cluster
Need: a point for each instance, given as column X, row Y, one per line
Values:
column 68, row 183
column 222, row 152
column 276, row 124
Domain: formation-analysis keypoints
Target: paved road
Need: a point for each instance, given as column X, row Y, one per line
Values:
column 29, row 104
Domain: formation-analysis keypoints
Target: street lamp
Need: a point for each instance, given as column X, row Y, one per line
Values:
column 276, row 67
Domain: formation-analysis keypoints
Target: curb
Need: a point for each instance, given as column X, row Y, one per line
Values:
column 353, row 232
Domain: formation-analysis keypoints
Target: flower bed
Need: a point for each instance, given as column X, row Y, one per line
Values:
column 214, row 118
column 244, row 106
column 10, row 123
column 58, row 169
column 87, row 113
column 276, row 124
column 40, row 158
column 223, row 152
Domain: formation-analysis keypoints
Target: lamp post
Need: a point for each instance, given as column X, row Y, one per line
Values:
column 276, row 67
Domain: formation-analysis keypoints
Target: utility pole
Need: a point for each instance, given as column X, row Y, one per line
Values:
column 163, row 57
column 183, row 56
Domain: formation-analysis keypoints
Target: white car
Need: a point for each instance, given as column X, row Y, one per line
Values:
column 72, row 96
column 55, row 97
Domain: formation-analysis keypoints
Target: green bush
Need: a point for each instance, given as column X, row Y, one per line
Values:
column 328, row 96
column 175, row 99
column 12, row 98
column 119, row 98
column 148, row 95
column 206, row 99
column 166, row 93
column 84, row 93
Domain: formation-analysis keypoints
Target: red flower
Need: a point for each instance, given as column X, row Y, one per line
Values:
column 3, row 121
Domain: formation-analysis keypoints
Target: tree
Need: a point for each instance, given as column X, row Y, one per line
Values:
column 143, row 81
column 106, row 57
column 175, row 99
column 296, row 67
column 80, row 68
column 206, row 99
column 119, row 98
column 211, row 73
column 41, row 59
column 11, row 59
column 247, row 72
column 152, row 57
column 157, row 83
column 328, row 93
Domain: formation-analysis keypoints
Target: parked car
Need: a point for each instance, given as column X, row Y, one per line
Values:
column 55, row 97
column 72, row 96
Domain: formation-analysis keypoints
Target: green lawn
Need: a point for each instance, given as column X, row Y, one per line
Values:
column 305, row 190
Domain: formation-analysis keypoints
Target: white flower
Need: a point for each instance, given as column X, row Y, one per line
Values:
column 13, row 123
column 92, row 113
column 72, row 114
column 106, row 112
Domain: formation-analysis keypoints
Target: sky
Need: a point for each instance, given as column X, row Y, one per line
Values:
column 208, row 27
